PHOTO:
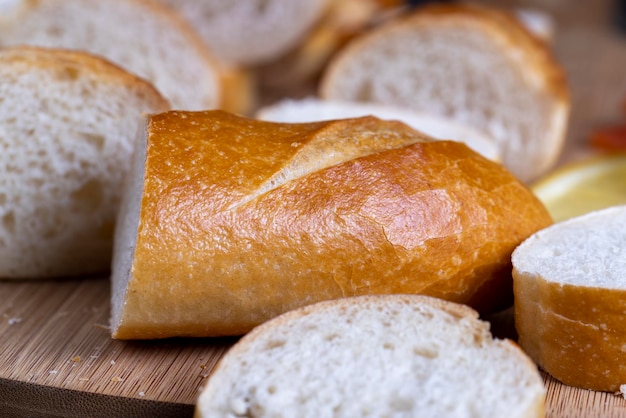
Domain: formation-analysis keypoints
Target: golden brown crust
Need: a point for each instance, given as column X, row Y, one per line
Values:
column 225, row 242
column 575, row 333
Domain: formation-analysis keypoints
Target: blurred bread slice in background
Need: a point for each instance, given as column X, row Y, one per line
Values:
column 144, row 37
column 296, row 72
column 473, row 64
column 312, row 109
column 251, row 32
column 67, row 124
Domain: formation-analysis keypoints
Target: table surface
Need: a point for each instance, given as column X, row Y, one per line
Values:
column 57, row 359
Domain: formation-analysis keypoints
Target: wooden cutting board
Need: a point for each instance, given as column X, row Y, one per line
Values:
column 57, row 359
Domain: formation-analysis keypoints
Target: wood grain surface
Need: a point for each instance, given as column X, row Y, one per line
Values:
column 57, row 359
column 55, row 341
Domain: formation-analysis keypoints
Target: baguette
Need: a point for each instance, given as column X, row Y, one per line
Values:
column 374, row 356
column 228, row 222
column 570, row 299
column 67, row 125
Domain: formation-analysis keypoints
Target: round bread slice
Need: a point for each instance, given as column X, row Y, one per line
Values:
column 570, row 299
column 473, row 64
column 383, row 356
column 142, row 36
column 67, row 126
column 311, row 109
column 250, row 32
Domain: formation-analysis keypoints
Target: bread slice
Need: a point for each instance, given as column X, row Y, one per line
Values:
column 67, row 124
column 250, row 32
column 312, row 109
column 570, row 299
column 141, row 36
column 476, row 65
column 374, row 356
column 228, row 222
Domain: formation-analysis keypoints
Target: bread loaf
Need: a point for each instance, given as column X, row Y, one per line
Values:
column 228, row 222
column 374, row 356
column 141, row 36
column 477, row 65
column 67, row 125
column 570, row 299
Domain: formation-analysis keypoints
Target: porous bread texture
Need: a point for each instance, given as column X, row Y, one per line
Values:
column 469, row 63
column 587, row 251
column 374, row 356
column 231, row 221
column 313, row 109
column 570, row 299
column 251, row 32
column 67, row 123
column 145, row 38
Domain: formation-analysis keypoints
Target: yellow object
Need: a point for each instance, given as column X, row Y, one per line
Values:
column 582, row 187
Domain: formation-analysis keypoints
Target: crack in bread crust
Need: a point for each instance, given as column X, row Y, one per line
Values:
column 354, row 139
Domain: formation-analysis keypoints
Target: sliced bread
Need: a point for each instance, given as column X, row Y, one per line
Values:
column 250, row 32
column 376, row 356
column 67, row 124
column 141, row 36
column 473, row 64
column 570, row 299
column 311, row 109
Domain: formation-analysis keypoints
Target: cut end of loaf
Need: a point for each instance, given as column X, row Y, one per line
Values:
column 126, row 229
column 376, row 356
column 584, row 251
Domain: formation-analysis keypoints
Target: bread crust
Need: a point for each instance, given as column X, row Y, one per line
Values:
column 240, row 221
column 24, row 58
column 570, row 299
column 575, row 333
